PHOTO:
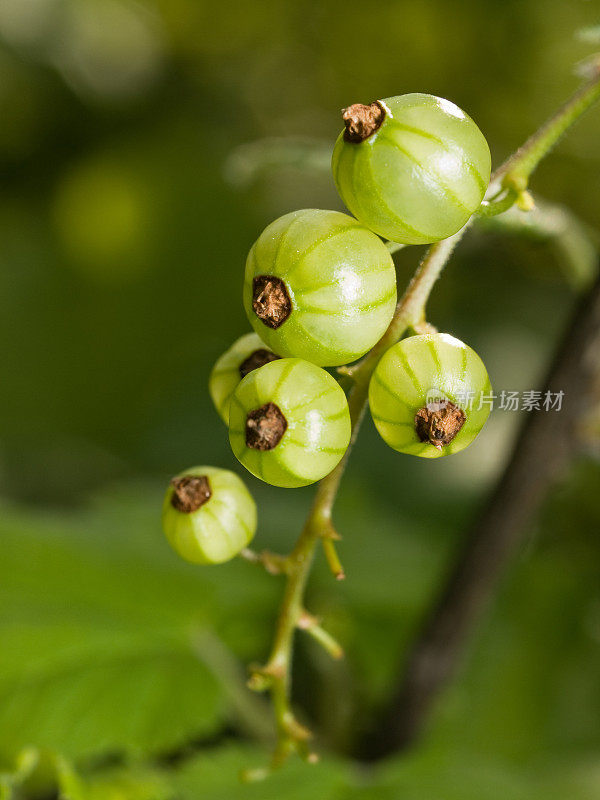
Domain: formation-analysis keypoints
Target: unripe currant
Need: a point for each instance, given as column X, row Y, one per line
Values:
column 426, row 395
column 245, row 354
column 289, row 422
column 319, row 286
column 412, row 168
column 208, row 515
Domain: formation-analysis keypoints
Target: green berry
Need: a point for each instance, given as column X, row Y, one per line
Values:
column 412, row 168
column 245, row 354
column 428, row 395
column 319, row 286
column 208, row 515
column 289, row 422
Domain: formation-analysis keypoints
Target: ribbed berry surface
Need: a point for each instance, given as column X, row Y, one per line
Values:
column 225, row 374
column 340, row 278
column 420, row 176
column 318, row 422
column 220, row 528
column 417, row 369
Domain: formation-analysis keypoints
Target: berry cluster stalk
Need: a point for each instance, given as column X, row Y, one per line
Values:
column 275, row 676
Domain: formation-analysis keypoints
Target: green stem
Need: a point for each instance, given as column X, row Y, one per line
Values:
column 491, row 208
column 318, row 524
column 335, row 565
column 516, row 171
column 272, row 562
column 410, row 313
column 311, row 625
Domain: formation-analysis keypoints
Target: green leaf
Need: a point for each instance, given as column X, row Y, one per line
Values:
column 133, row 783
column 215, row 775
column 98, row 635
column 455, row 776
column 106, row 694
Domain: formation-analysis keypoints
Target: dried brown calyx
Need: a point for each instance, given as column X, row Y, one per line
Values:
column 270, row 300
column 265, row 427
column 190, row 492
column 439, row 422
column 257, row 359
column 362, row 121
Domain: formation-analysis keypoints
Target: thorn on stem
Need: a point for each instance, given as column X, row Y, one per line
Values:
column 273, row 563
column 311, row 624
column 335, row 565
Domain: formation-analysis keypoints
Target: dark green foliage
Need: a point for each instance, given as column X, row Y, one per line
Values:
column 97, row 616
column 122, row 241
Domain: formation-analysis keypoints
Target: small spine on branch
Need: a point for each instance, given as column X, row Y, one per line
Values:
column 307, row 622
column 273, row 563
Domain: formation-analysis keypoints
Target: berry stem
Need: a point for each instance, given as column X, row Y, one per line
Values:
column 311, row 625
column 335, row 565
column 409, row 314
column 515, row 172
column 493, row 207
column 273, row 563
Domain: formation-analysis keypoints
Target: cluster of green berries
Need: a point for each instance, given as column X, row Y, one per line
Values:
column 320, row 291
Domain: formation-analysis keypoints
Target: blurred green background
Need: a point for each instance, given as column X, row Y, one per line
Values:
column 143, row 147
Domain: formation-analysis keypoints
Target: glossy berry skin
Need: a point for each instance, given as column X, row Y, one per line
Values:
column 420, row 176
column 208, row 515
column 234, row 365
column 339, row 279
column 417, row 371
column 309, row 423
